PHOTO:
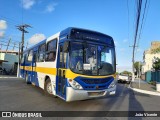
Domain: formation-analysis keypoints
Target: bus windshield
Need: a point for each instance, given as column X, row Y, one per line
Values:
column 91, row 59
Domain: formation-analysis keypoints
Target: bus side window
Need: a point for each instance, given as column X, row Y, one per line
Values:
column 51, row 50
column 41, row 53
column 30, row 56
column 61, row 57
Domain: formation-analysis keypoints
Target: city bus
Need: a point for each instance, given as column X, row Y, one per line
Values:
column 74, row 64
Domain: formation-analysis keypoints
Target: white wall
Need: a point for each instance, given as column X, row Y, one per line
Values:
column 11, row 58
column 148, row 61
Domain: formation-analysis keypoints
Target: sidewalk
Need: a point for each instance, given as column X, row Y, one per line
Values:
column 144, row 87
column 8, row 76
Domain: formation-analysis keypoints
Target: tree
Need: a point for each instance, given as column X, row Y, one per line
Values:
column 154, row 51
column 138, row 67
column 126, row 72
column 156, row 64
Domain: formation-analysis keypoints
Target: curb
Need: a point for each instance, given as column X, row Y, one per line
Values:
column 145, row 91
column 8, row 77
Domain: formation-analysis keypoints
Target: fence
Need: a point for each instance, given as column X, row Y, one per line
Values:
column 152, row 76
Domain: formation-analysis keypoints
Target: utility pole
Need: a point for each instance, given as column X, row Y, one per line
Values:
column 8, row 45
column 139, row 5
column 27, row 45
column 1, row 47
column 14, row 46
column 139, row 74
column 22, row 28
column 18, row 69
column 133, row 62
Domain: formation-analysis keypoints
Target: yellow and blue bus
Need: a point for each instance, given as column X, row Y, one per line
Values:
column 74, row 64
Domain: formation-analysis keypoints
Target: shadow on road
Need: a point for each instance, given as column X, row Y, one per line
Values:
column 33, row 98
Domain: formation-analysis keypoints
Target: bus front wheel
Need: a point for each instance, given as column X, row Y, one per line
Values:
column 26, row 78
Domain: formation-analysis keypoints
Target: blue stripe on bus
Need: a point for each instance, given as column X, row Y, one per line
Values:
column 94, row 83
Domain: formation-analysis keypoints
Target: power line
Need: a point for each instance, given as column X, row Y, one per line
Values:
column 9, row 19
column 14, row 22
column 139, row 5
column 7, row 45
column 5, row 38
column 128, row 17
column 143, row 19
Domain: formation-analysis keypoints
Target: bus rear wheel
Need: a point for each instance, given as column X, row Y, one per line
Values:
column 48, row 87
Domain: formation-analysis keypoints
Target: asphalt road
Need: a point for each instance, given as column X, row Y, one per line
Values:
column 16, row 95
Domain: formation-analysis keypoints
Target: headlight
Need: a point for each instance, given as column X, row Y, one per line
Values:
column 75, row 84
column 112, row 84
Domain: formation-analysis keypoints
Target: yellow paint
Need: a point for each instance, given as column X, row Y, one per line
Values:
column 68, row 72
column 21, row 67
column 51, row 71
column 29, row 68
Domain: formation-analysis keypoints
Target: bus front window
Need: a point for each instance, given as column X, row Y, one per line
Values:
column 91, row 59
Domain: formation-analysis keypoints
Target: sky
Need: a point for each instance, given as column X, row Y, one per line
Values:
column 113, row 17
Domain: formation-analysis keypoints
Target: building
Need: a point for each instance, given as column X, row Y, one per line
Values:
column 9, row 61
column 149, row 56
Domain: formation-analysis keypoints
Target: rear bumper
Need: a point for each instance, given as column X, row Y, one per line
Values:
column 124, row 80
column 73, row 94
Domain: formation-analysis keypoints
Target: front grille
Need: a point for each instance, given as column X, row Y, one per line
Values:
column 95, row 81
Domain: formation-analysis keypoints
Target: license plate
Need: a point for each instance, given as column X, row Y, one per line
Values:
column 95, row 93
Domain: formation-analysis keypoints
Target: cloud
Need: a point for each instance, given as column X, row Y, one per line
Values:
column 36, row 38
column 3, row 25
column 125, row 40
column 27, row 4
column 50, row 7
column 2, row 34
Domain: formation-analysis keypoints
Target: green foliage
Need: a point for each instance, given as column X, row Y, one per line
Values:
column 126, row 72
column 154, row 51
column 137, row 66
column 156, row 64
column 117, row 73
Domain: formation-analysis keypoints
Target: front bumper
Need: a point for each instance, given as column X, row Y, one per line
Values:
column 72, row 94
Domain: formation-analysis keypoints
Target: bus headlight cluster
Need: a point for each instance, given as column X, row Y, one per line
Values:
column 112, row 84
column 75, row 84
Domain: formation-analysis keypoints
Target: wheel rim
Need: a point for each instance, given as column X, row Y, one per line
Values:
column 49, row 88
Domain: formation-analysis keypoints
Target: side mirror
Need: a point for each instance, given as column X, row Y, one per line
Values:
column 66, row 46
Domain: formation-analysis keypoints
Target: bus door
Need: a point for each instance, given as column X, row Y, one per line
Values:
column 34, row 73
column 61, row 74
column 22, row 64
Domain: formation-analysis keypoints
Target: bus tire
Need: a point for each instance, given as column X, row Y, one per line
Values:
column 26, row 78
column 48, row 87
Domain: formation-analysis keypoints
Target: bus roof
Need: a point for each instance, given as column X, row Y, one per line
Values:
column 66, row 32
column 69, row 29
